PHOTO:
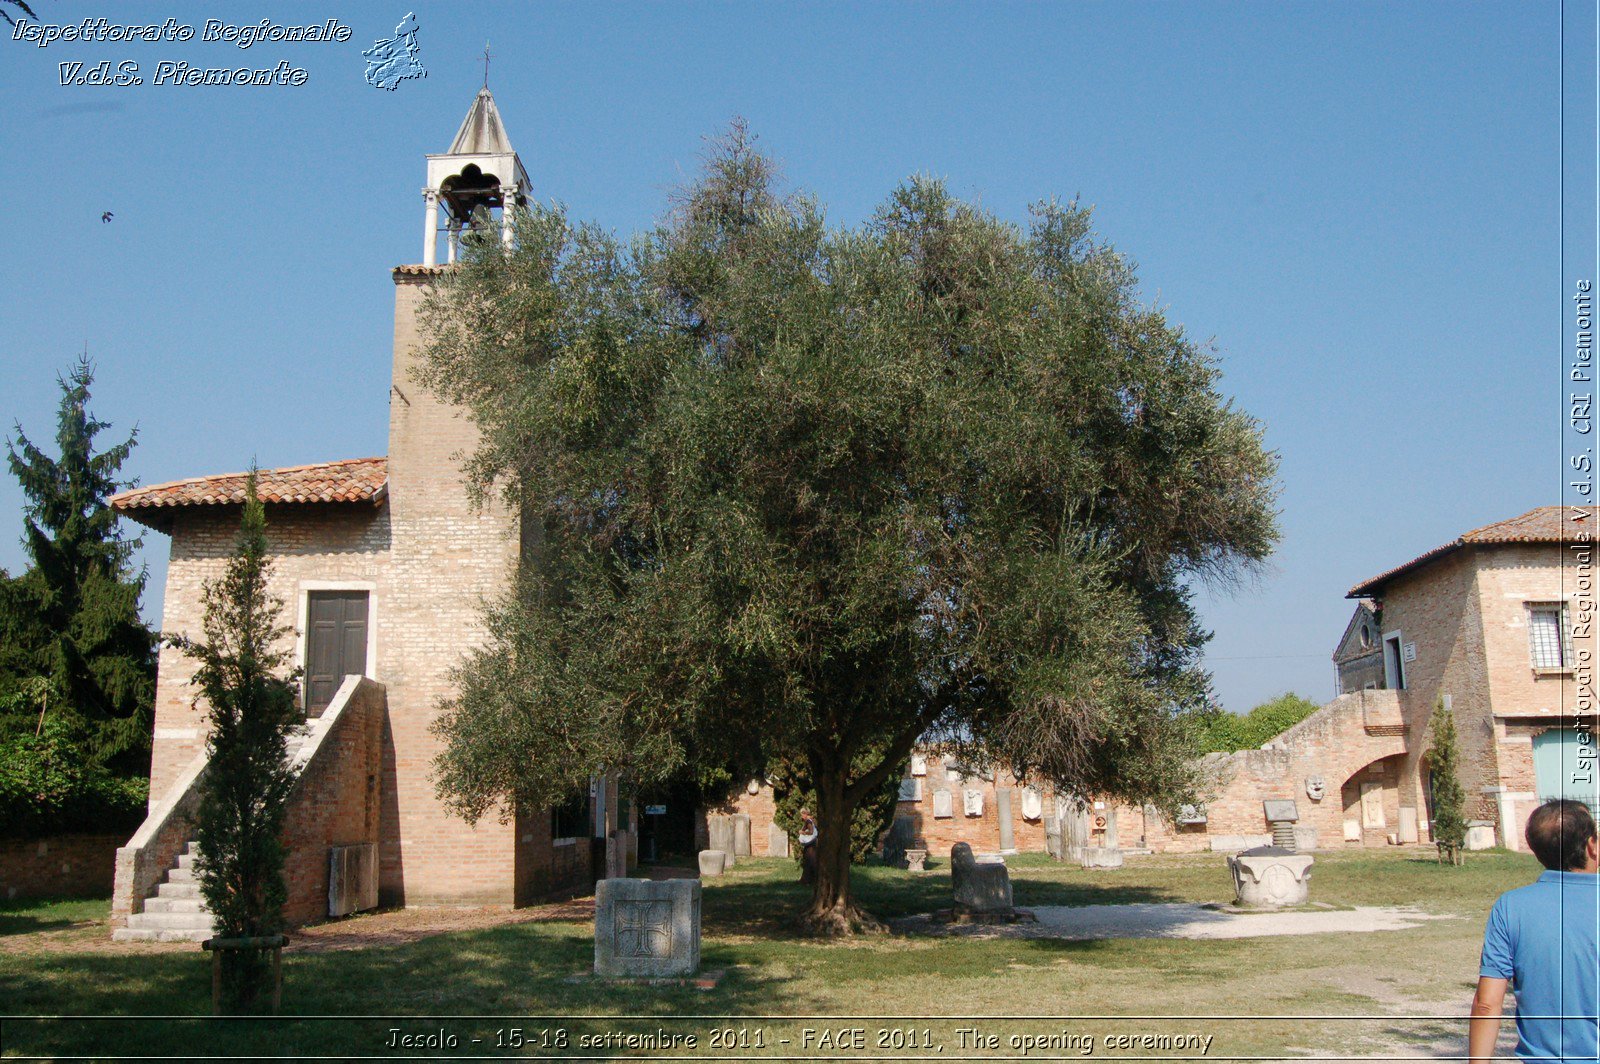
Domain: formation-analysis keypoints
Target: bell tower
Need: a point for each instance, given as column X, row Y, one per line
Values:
column 448, row 554
column 481, row 170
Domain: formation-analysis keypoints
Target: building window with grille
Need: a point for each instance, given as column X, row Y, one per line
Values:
column 1549, row 636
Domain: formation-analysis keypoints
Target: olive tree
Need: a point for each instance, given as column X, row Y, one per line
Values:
column 809, row 492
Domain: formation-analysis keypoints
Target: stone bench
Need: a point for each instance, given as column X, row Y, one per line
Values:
column 979, row 886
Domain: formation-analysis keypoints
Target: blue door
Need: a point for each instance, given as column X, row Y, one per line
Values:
column 1564, row 765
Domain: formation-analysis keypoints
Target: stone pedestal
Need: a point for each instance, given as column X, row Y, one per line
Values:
column 1271, row 878
column 1002, row 812
column 719, row 832
column 916, row 860
column 1408, row 825
column 712, row 863
column 1052, row 837
column 983, row 887
column 1074, row 834
column 1480, row 834
column 646, row 929
column 1102, row 857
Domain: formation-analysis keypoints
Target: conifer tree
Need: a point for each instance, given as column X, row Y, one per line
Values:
column 1449, row 800
column 73, row 617
column 251, row 707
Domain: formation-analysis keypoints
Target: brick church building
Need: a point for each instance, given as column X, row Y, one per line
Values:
column 383, row 564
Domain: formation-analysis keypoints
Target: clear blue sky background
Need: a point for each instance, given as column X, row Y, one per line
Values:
column 1358, row 202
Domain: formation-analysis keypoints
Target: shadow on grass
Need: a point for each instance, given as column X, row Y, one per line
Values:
column 764, row 899
column 28, row 923
column 479, row 984
column 28, row 916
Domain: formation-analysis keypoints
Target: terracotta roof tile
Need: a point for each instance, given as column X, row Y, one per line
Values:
column 1543, row 524
column 352, row 480
column 420, row 271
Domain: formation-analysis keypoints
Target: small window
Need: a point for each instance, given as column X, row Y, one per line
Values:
column 1366, row 637
column 1550, row 636
column 570, row 819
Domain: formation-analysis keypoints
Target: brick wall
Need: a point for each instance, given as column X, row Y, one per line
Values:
column 982, row 833
column 447, row 558
column 1469, row 613
column 1441, row 610
column 1337, row 743
column 1466, row 616
column 310, row 544
column 61, row 866
column 335, row 801
column 761, row 806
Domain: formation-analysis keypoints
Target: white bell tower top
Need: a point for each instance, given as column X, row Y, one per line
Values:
column 481, row 170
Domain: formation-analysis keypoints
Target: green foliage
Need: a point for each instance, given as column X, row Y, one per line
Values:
column 796, row 493
column 73, row 617
column 793, row 794
column 1224, row 732
column 251, row 708
column 1449, row 819
column 48, row 788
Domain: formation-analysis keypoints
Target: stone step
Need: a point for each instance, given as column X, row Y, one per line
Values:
column 149, row 934
column 171, row 921
column 176, row 905
column 181, row 875
column 188, row 859
column 177, row 890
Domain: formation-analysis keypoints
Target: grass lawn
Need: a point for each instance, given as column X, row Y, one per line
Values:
column 54, row 962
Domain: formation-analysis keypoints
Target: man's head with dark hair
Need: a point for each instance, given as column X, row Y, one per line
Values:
column 1559, row 834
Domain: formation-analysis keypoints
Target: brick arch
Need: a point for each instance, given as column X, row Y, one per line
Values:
column 1371, row 796
column 1336, row 742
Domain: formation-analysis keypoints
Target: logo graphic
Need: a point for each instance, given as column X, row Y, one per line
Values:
column 392, row 61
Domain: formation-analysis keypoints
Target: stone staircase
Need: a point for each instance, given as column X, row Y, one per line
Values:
column 176, row 912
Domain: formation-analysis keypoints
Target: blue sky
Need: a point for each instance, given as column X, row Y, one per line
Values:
column 1359, row 203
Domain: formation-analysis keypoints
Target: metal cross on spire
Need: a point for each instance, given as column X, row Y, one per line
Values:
column 486, row 64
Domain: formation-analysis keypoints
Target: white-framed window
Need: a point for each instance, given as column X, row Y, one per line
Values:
column 1394, row 661
column 1549, row 635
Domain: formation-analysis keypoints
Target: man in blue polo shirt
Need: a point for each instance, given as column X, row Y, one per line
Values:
column 1541, row 941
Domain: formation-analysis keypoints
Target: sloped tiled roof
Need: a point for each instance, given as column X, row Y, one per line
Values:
column 351, row 480
column 420, row 270
column 1543, row 524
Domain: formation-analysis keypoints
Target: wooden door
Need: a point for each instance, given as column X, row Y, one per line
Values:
column 336, row 644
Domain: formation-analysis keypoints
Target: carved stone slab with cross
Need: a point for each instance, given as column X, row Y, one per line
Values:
column 646, row 929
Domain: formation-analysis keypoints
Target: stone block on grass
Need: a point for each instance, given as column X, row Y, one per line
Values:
column 979, row 886
column 1102, row 857
column 646, row 929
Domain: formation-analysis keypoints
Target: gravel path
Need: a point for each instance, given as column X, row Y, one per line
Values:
column 1179, row 920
